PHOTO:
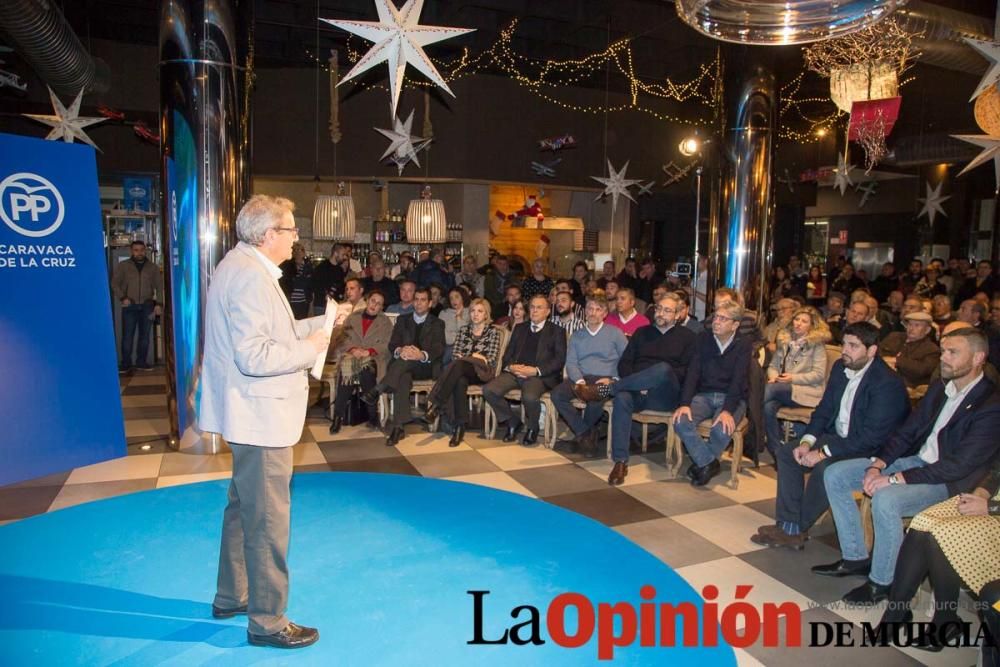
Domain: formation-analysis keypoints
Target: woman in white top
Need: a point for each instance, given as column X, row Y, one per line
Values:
column 454, row 318
column 797, row 374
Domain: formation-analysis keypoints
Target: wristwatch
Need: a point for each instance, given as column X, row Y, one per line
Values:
column 893, row 479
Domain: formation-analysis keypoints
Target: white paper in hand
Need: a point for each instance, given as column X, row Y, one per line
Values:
column 331, row 319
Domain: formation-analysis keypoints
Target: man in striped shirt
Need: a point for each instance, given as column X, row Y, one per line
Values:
column 565, row 315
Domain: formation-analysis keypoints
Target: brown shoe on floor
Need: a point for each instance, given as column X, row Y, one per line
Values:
column 618, row 473
column 779, row 538
column 587, row 392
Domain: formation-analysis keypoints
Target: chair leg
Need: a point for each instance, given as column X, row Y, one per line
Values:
column 645, row 436
column 675, row 451
column 734, row 478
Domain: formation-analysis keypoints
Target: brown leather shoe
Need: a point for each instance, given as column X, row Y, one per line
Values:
column 587, row 392
column 779, row 538
column 291, row 636
column 618, row 473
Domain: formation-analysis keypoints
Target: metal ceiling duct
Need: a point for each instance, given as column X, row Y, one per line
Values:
column 944, row 30
column 47, row 42
column 929, row 149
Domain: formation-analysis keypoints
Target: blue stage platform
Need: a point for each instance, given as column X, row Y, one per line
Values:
column 381, row 564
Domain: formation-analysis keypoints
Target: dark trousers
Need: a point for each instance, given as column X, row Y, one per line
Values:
column 253, row 567
column 919, row 557
column 562, row 398
column 366, row 378
column 531, row 394
column 800, row 501
column 136, row 317
column 450, row 390
column 776, row 396
column 989, row 597
column 300, row 309
column 398, row 380
column 663, row 392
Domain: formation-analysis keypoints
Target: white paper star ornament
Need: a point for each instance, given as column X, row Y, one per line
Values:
column 932, row 202
column 616, row 184
column 842, row 175
column 398, row 39
column 403, row 146
column 66, row 123
column 991, row 151
column 991, row 51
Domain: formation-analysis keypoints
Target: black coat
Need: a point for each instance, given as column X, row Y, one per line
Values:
column 966, row 445
column 551, row 356
column 405, row 333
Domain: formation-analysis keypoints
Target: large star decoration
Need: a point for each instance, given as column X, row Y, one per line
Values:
column 403, row 146
column 616, row 184
column 991, row 51
column 66, row 123
column 932, row 202
column 991, row 150
column 842, row 175
column 398, row 39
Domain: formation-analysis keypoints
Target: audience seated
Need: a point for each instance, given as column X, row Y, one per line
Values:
column 564, row 313
column 591, row 358
column 474, row 361
column 361, row 357
column 913, row 354
column 864, row 401
column 416, row 346
column 796, row 375
column 454, row 317
column 944, row 448
column 626, row 317
column 784, row 310
column 533, row 363
column 405, row 305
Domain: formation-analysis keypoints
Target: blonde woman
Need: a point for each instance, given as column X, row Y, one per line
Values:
column 475, row 357
column 797, row 374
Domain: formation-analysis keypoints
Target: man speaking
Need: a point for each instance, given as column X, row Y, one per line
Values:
column 254, row 392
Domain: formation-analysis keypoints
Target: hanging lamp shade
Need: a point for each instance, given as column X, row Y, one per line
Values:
column 333, row 218
column 782, row 22
column 425, row 220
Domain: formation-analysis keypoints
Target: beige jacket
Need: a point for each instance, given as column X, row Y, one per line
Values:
column 806, row 365
column 138, row 286
column 377, row 339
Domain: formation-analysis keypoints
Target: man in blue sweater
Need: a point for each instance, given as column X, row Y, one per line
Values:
column 592, row 357
column 715, row 388
column 651, row 369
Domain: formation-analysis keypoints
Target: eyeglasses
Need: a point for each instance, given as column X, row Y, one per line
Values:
column 661, row 309
column 293, row 230
column 723, row 318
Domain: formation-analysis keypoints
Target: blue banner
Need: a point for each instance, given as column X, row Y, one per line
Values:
column 60, row 403
column 138, row 193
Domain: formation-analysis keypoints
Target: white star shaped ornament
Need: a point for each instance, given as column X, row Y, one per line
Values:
column 991, row 51
column 66, row 123
column 616, row 184
column 842, row 175
column 932, row 202
column 991, row 151
column 399, row 39
column 403, row 146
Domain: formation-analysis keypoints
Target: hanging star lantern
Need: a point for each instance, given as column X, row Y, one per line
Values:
column 932, row 202
column 991, row 151
column 403, row 146
column 842, row 175
column 991, row 51
column 66, row 123
column 646, row 190
column 616, row 184
column 399, row 39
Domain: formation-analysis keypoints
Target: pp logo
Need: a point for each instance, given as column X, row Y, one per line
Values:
column 30, row 204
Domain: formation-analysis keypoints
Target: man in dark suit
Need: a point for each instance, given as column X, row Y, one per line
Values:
column 863, row 403
column 943, row 449
column 416, row 347
column 533, row 362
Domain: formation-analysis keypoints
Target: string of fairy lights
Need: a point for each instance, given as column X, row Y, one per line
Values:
column 803, row 118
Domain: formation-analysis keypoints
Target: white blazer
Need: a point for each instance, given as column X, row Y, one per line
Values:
column 254, row 383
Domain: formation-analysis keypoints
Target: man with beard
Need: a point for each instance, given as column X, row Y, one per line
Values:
column 137, row 283
column 328, row 279
column 565, row 313
column 652, row 370
column 942, row 450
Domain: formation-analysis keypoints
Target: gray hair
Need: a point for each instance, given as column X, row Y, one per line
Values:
column 732, row 310
column 259, row 214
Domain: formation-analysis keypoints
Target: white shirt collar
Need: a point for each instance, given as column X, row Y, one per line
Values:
column 537, row 327
column 625, row 320
column 663, row 331
column 271, row 267
column 858, row 373
column 724, row 347
column 595, row 331
column 952, row 393
column 418, row 319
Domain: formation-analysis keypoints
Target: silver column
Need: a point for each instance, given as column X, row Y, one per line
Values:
column 205, row 78
column 740, row 236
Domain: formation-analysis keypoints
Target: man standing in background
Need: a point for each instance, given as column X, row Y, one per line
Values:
column 137, row 283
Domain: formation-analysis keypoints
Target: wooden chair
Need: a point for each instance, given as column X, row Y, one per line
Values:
column 704, row 428
column 609, row 409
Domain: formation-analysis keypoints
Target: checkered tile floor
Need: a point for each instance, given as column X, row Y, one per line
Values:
column 704, row 534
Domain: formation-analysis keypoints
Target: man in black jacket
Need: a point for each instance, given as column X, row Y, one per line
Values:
column 328, row 279
column 416, row 346
column 379, row 281
column 651, row 369
column 533, row 362
column 943, row 449
column 864, row 402
column 715, row 388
